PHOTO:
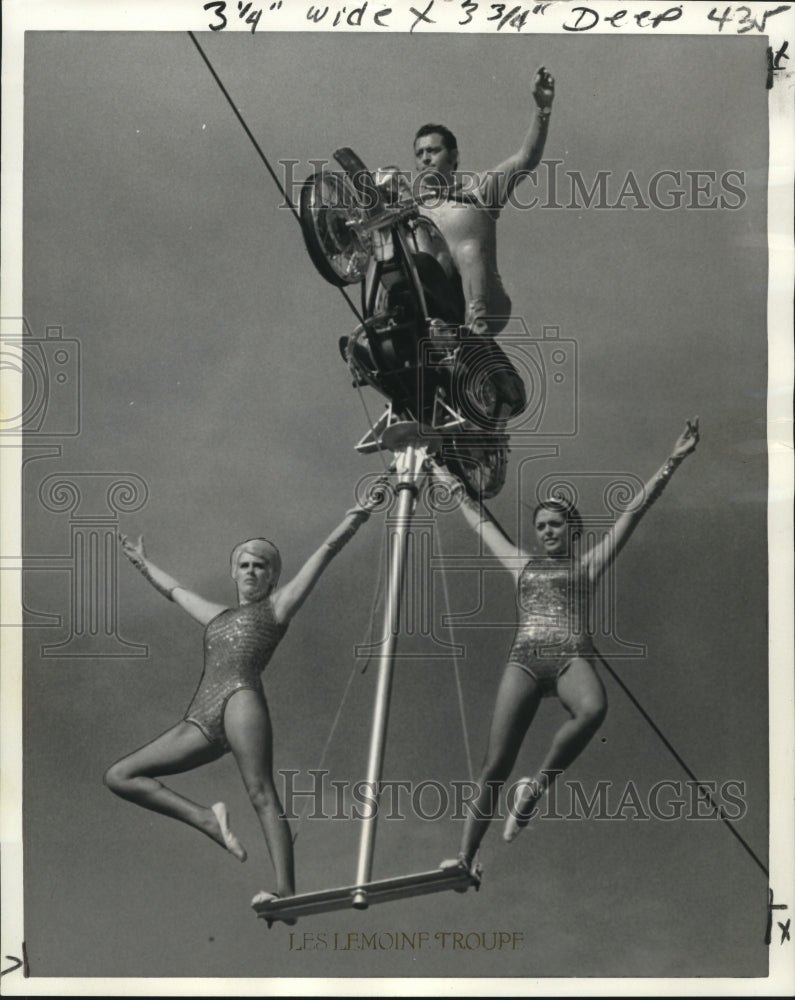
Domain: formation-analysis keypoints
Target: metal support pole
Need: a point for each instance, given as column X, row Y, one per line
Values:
column 409, row 463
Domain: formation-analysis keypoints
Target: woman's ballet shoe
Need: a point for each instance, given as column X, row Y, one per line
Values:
column 526, row 792
column 231, row 843
column 513, row 827
column 270, row 897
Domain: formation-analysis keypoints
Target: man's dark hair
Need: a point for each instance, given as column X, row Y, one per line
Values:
column 449, row 140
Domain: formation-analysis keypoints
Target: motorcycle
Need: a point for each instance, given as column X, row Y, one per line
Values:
column 412, row 345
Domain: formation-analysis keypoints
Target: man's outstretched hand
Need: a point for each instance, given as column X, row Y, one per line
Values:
column 543, row 88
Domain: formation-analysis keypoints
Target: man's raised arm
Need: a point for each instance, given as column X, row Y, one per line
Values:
column 508, row 174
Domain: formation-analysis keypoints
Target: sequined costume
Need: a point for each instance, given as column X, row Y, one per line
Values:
column 238, row 643
column 552, row 598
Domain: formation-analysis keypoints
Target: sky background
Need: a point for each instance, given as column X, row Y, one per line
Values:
column 210, row 369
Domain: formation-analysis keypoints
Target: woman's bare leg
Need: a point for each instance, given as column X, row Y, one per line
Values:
column 582, row 694
column 248, row 730
column 181, row 748
column 518, row 698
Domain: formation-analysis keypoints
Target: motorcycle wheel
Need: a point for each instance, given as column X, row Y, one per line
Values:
column 361, row 180
column 481, row 465
column 338, row 251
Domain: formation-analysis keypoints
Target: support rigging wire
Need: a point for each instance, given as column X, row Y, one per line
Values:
column 354, row 669
column 457, row 673
column 669, row 746
column 262, row 155
column 279, row 185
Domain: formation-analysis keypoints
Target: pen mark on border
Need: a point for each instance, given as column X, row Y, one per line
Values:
column 23, row 963
column 774, row 63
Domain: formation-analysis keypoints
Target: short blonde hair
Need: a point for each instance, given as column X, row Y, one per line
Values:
column 262, row 547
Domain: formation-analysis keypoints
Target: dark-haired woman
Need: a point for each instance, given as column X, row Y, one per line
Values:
column 552, row 653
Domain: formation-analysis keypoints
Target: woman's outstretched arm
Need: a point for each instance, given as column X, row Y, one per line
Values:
column 479, row 519
column 197, row 607
column 289, row 598
column 602, row 555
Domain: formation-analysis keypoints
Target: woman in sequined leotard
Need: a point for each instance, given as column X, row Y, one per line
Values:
column 228, row 711
column 238, row 643
column 552, row 653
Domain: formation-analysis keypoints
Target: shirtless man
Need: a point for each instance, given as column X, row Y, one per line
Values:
column 466, row 207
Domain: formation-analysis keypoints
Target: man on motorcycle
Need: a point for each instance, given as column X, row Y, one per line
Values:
column 465, row 207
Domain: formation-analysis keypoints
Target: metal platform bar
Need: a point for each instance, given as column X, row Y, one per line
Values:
column 371, row 441
column 383, row 891
column 410, row 455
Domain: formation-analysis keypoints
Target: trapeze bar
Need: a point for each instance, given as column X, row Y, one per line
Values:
column 384, row 891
